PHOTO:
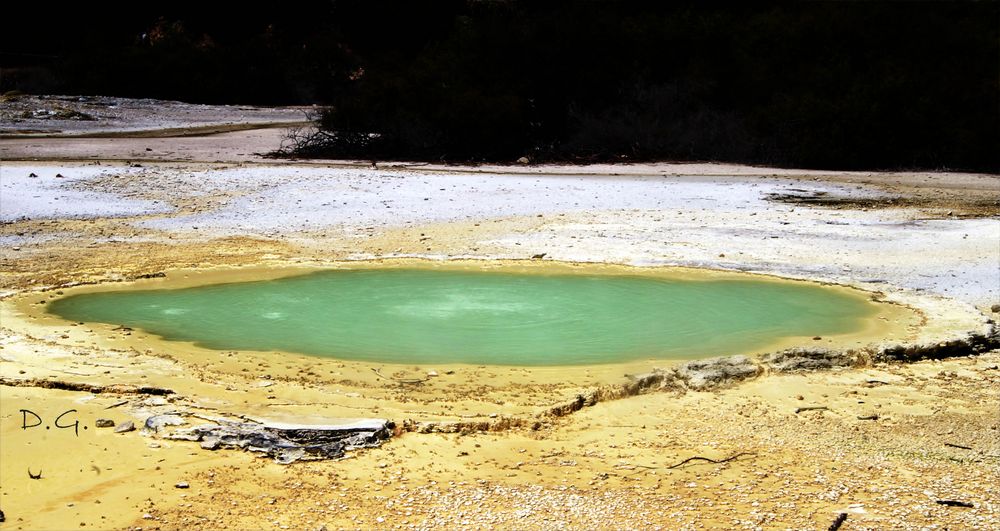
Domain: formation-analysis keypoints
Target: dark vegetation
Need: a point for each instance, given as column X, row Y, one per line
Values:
column 832, row 85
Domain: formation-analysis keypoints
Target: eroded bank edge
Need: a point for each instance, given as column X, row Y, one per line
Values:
column 289, row 443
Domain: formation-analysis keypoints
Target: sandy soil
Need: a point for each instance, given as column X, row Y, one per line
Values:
column 894, row 439
column 102, row 116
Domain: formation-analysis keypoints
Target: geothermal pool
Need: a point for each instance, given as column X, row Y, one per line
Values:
column 417, row 316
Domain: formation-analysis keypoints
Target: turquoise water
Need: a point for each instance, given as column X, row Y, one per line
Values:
column 423, row 316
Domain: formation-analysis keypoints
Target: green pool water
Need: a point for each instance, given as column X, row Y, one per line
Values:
column 428, row 316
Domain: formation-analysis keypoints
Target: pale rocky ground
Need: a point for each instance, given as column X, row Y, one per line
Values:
column 54, row 116
column 131, row 206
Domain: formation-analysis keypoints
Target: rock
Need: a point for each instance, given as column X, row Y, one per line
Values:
column 104, row 423
column 538, row 256
column 33, row 175
column 716, row 372
column 523, row 160
column 182, row 485
column 432, row 372
column 801, row 359
column 156, row 422
column 147, row 516
column 995, row 308
column 125, row 427
column 289, row 455
column 288, row 443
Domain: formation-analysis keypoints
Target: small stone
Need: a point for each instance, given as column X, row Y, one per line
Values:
column 147, row 516
column 182, row 485
column 104, row 423
column 432, row 373
column 211, row 443
column 289, row 455
column 126, row 426
column 33, row 175
column 156, row 422
column 995, row 308
column 523, row 160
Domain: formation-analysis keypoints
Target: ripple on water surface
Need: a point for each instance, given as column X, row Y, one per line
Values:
column 428, row 316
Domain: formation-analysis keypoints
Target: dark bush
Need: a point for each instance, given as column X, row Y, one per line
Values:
column 871, row 85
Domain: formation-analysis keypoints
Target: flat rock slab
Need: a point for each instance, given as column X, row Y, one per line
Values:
column 715, row 372
column 808, row 359
column 288, row 443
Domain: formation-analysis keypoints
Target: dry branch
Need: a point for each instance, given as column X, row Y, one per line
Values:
column 955, row 503
column 409, row 381
column 838, row 522
column 710, row 460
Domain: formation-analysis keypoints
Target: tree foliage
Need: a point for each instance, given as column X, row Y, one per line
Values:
column 833, row 85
